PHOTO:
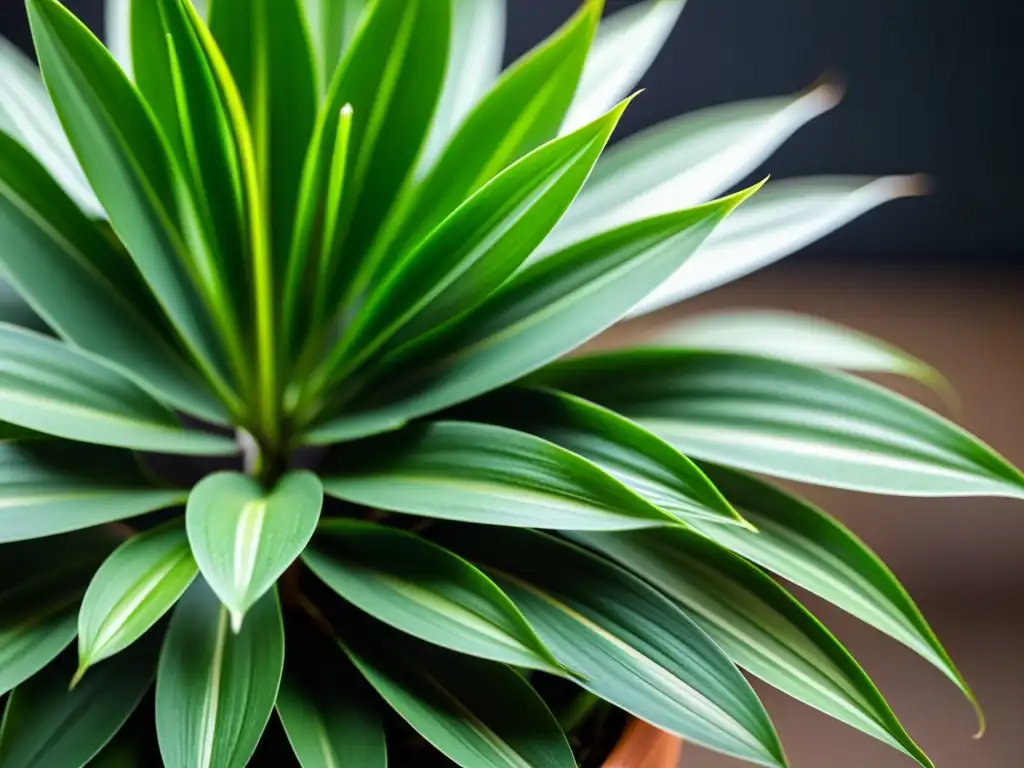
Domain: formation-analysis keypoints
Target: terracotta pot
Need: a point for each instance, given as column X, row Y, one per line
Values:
column 644, row 746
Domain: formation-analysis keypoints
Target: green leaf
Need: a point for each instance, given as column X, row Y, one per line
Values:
column 477, row 713
column 41, row 583
column 522, row 111
column 215, row 690
column 45, row 724
column 127, row 162
column 644, row 463
column 484, row 474
column 153, row 71
column 332, row 25
column 26, row 113
column 131, row 591
column 244, row 538
column 783, row 218
column 546, row 310
column 267, row 47
column 799, row 339
column 789, row 420
column 479, row 246
column 633, row 647
column 16, row 311
column 474, row 63
column 84, row 288
column 49, row 487
column 685, row 161
column 52, row 388
column 391, row 76
column 758, row 624
column 424, row 590
column 624, row 48
column 805, row 546
column 329, row 716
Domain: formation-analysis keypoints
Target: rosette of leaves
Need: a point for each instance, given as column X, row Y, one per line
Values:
column 332, row 252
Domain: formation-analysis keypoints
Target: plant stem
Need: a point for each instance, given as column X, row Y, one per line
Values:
column 578, row 710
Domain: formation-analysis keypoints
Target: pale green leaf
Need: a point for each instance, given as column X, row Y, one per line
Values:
column 484, row 474
column 215, row 690
column 791, row 421
column 45, row 724
column 804, row 545
column 759, row 625
column 477, row 713
column 244, row 538
column 631, row 645
column 424, row 590
column 49, row 487
column 131, row 591
column 624, row 48
column 49, row 387
column 785, row 217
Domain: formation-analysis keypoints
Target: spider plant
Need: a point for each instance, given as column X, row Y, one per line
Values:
column 331, row 250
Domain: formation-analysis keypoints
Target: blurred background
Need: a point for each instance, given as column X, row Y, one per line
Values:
column 933, row 86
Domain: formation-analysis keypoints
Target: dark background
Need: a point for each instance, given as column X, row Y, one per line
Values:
column 934, row 86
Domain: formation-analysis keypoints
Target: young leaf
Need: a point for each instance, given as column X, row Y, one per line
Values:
column 477, row 713
column 244, row 539
column 624, row 48
column 127, row 162
column 685, row 162
column 131, row 591
column 474, row 63
column 643, row 462
column 546, row 310
column 215, row 690
column 52, row 388
column 424, row 590
column 784, row 218
column 45, row 724
column 789, row 420
column 330, row 716
column 27, row 115
column 484, row 474
column 85, row 290
column 804, row 545
column 759, row 625
column 51, row 486
column 632, row 646
column 521, row 112
column 38, row 604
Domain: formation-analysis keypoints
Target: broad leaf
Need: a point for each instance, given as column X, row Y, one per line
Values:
column 27, row 114
column 329, row 715
column 789, row 420
column 424, row 590
column 804, row 545
column 45, row 724
column 49, row 487
column 244, row 538
column 759, row 625
column 479, row 714
column 126, row 160
column 215, row 690
column 523, row 110
column 49, row 387
column 632, row 646
column 474, row 63
column 635, row 457
column 546, row 310
column 484, row 474
column 624, row 48
column 685, row 162
column 787, row 216
column 41, row 584
column 131, row 591
column 479, row 246
column 84, row 288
